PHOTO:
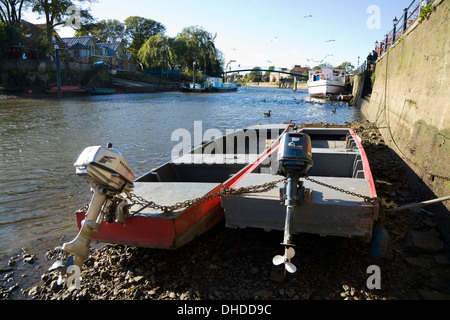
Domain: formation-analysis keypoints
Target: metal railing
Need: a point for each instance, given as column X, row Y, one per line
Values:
column 407, row 19
column 362, row 68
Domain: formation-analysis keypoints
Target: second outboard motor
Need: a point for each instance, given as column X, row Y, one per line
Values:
column 294, row 160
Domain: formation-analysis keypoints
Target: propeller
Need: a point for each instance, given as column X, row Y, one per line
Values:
column 289, row 253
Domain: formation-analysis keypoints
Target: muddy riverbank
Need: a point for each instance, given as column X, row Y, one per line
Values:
column 226, row 264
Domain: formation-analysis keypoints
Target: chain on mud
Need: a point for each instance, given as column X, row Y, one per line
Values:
column 138, row 200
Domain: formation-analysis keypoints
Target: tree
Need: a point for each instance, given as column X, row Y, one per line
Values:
column 105, row 31
column 10, row 35
column 197, row 44
column 11, row 11
column 157, row 52
column 57, row 12
column 139, row 30
column 349, row 68
column 192, row 44
column 255, row 75
column 324, row 65
column 267, row 74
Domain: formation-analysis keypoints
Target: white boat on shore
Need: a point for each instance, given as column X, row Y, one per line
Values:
column 325, row 82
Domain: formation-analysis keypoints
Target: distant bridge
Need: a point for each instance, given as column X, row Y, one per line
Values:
column 294, row 74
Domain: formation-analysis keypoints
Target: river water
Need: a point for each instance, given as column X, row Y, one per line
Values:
column 41, row 139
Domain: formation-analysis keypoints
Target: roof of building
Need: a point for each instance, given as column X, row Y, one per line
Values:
column 82, row 40
column 111, row 47
column 299, row 69
column 78, row 46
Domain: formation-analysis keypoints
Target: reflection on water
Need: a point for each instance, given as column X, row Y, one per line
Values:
column 41, row 139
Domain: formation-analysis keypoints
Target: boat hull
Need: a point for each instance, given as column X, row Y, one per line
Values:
column 160, row 232
column 234, row 89
column 323, row 88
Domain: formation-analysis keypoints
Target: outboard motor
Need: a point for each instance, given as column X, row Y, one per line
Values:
column 294, row 160
column 109, row 175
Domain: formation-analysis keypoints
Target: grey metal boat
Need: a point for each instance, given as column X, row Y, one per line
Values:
column 336, row 196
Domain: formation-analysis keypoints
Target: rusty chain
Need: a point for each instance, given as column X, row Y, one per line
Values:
column 138, row 200
column 188, row 203
column 368, row 199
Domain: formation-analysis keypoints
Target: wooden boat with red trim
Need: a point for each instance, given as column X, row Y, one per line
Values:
column 204, row 171
column 337, row 195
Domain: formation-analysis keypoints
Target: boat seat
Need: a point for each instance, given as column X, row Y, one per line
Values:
column 215, row 159
column 168, row 193
column 334, row 163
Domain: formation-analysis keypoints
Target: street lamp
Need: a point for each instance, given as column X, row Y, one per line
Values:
column 58, row 71
column 395, row 29
column 193, row 82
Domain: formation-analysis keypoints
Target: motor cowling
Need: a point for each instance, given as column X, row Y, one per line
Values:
column 294, row 154
column 105, row 167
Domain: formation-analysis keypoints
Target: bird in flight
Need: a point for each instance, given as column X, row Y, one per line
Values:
column 308, row 16
column 319, row 61
column 329, row 55
column 330, row 40
column 214, row 38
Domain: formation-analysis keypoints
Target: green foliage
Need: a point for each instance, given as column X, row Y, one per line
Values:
column 56, row 13
column 323, row 66
column 193, row 44
column 105, row 31
column 255, row 75
column 426, row 11
column 267, row 73
column 349, row 68
column 139, row 30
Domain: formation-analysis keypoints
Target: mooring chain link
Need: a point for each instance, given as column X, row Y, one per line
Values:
column 366, row 198
column 138, row 200
column 188, row 203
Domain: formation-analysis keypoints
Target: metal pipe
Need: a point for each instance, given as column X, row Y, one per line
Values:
column 417, row 205
column 291, row 202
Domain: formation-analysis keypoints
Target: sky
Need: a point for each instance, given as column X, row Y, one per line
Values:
column 280, row 33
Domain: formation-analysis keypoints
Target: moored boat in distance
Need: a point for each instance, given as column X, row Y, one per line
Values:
column 325, row 82
column 102, row 91
column 67, row 89
column 211, row 84
column 214, row 84
column 172, row 204
column 190, row 87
